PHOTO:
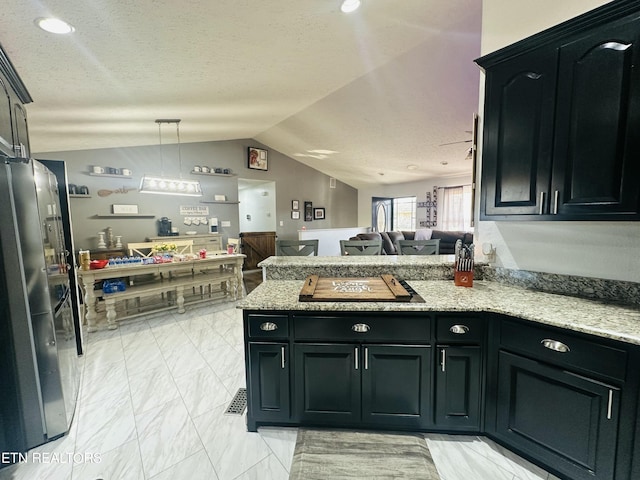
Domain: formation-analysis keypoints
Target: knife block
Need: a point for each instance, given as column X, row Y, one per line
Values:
column 463, row 279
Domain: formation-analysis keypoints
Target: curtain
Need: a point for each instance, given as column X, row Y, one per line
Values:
column 454, row 208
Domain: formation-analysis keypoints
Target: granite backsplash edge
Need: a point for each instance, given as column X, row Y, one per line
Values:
column 616, row 291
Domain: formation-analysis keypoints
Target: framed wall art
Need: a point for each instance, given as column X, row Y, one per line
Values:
column 257, row 159
column 295, row 215
column 295, row 205
column 318, row 213
column 308, row 211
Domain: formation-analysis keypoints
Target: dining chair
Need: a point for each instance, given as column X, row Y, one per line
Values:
column 300, row 248
column 145, row 249
column 234, row 243
column 360, row 247
column 418, row 247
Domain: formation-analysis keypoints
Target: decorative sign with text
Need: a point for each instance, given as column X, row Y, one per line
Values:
column 194, row 210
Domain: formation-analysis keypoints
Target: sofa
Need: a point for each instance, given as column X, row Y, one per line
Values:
column 447, row 239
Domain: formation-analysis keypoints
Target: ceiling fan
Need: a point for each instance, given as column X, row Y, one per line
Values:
column 461, row 141
column 469, row 154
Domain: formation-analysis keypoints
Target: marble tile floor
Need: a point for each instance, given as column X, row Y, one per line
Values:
column 151, row 407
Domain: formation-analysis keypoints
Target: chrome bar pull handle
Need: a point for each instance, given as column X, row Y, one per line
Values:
column 459, row 329
column 556, row 196
column 268, row 327
column 355, row 355
column 443, row 362
column 360, row 328
column 541, row 203
column 555, row 345
column 282, row 356
column 366, row 358
column 610, row 405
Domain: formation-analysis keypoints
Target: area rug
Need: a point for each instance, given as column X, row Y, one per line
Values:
column 346, row 454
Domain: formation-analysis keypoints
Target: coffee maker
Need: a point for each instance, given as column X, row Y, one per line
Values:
column 164, row 228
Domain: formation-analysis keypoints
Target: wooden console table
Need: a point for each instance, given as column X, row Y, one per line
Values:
column 164, row 285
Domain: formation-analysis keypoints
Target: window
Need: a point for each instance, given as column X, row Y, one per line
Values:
column 454, row 208
column 393, row 213
column 404, row 213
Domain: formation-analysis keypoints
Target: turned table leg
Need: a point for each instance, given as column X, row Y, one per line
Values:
column 111, row 313
column 180, row 298
column 89, row 301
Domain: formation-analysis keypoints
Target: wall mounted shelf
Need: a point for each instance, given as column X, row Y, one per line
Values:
column 193, row 172
column 220, row 201
column 78, row 195
column 113, row 175
column 124, row 215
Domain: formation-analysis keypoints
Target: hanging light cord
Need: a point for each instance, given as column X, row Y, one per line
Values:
column 161, row 159
column 179, row 152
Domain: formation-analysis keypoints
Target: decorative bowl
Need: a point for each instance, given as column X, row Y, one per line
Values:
column 98, row 264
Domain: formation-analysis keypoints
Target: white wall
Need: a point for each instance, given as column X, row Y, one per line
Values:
column 257, row 209
column 592, row 249
column 417, row 189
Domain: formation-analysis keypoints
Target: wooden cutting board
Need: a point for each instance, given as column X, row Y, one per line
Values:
column 385, row 288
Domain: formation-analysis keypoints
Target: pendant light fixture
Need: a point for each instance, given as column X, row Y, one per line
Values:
column 349, row 6
column 161, row 185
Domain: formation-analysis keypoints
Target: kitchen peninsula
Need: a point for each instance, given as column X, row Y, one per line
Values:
column 549, row 376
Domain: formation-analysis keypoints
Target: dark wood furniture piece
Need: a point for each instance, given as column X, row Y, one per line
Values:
column 561, row 116
column 107, row 253
column 257, row 246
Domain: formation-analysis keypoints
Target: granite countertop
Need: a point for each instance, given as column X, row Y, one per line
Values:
column 588, row 316
column 407, row 267
column 347, row 260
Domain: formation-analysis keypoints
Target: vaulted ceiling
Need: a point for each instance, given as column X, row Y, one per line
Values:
column 358, row 96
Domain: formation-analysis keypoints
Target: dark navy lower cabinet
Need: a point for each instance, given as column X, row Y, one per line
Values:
column 327, row 384
column 269, row 382
column 458, row 388
column 396, row 385
column 565, row 420
column 564, row 400
column 361, row 384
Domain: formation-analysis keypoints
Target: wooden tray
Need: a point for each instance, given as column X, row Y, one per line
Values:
column 385, row 288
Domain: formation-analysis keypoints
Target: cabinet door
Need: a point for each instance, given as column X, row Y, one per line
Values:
column 396, row 385
column 21, row 132
column 6, row 124
column 458, row 388
column 518, row 134
column 269, row 387
column 597, row 145
column 565, row 420
column 327, row 383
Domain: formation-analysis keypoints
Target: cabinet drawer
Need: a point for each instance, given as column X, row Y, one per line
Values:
column 366, row 328
column 564, row 349
column 268, row 326
column 460, row 330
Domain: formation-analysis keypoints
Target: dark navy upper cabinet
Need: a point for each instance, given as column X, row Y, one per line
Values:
column 518, row 134
column 561, row 116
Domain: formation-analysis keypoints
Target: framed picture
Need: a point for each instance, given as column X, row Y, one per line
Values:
column 295, row 215
column 295, row 205
column 308, row 211
column 258, row 159
column 318, row 213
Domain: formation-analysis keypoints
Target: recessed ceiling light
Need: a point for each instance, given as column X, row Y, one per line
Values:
column 412, row 167
column 349, row 6
column 54, row 25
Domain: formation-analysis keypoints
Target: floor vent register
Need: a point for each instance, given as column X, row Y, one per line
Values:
column 238, row 403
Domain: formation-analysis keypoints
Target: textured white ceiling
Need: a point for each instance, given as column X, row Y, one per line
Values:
column 382, row 87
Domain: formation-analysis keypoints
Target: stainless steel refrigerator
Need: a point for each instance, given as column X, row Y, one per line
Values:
column 39, row 374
